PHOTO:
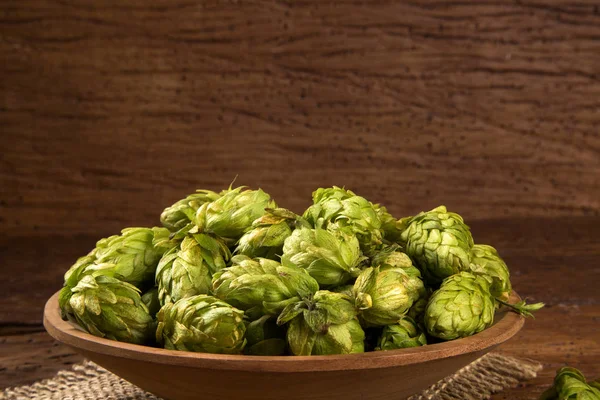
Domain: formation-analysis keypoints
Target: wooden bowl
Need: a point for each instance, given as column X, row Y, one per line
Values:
column 177, row 375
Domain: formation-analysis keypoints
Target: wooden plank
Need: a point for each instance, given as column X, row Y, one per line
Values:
column 110, row 112
column 29, row 357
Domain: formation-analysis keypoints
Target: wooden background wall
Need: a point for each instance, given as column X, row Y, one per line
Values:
column 110, row 110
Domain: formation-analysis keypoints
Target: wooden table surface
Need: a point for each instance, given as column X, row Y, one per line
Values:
column 554, row 260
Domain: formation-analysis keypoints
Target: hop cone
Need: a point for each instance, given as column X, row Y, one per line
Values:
column 384, row 296
column 233, row 213
column 150, row 300
column 486, row 261
column 461, row 307
column 336, row 208
column 202, row 324
column 392, row 228
column 401, row 335
column 323, row 324
column 132, row 256
column 391, row 257
column 332, row 258
column 265, row 338
column 267, row 234
column 107, row 307
column 187, row 270
column 183, row 212
column 417, row 311
column 570, row 384
column 439, row 243
column 261, row 286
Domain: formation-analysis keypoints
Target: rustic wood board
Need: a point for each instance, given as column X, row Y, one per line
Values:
column 111, row 111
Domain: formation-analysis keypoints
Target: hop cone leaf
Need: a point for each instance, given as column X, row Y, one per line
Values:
column 401, row 335
column 76, row 272
column 323, row 324
column 485, row 261
column 392, row 228
column 336, row 208
column 461, row 307
column 187, row 270
column 261, row 286
column 203, row 324
column 323, row 194
column 267, row 234
column 183, row 212
column 150, row 300
column 347, row 290
column 233, row 213
column 106, row 307
column 570, row 384
column 265, row 338
column 332, row 258
column 417, row 311
column 439, row 243
column 384, row 296
column 391, row 257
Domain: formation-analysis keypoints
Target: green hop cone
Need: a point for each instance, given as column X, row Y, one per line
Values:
column 106, row 307
column 202, row 324
column 417, row 311
column 570, row 384
column 132, row 256
column 439, row 243
column 323, row 324
column 233, row 213
column 392, row 257
column 332, row 258
column 184, row 211
column 401, row 335
column 392, row 228
column 333, row 209
column 261, row 286
column 267, row 234
column 265, row 338
column 385, row 296
column 461, row 307
column 187, row 270
column 486, row 261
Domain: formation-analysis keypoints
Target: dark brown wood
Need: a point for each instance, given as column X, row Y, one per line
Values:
column 109, row 112
column 28, row 357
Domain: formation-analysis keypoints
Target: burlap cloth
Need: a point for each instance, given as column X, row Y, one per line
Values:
column 490, row 374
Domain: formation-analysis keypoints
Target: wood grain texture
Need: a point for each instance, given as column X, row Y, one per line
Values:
column 111, row 111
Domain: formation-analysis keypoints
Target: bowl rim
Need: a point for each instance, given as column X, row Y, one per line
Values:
column 507, row 325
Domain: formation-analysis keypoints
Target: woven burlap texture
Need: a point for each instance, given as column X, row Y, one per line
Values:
column 489, row 374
